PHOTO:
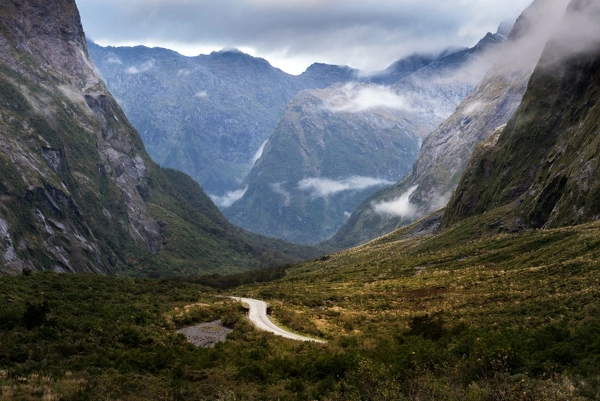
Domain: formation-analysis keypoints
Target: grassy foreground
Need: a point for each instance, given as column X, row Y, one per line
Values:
column 504, row 317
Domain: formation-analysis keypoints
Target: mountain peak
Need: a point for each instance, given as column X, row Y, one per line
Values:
column 49, row 31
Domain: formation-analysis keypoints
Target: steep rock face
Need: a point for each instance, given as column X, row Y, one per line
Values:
column 55, row 137
column 324, row 156
column 78, row 192
column 209, row 115
column 542, row 171
column 447, row 151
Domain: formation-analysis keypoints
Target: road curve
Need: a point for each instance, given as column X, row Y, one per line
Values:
column 258, row 315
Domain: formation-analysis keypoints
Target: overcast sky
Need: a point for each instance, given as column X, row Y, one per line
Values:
column 292, row 34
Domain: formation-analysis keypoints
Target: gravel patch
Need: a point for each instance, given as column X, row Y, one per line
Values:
column 206, row 335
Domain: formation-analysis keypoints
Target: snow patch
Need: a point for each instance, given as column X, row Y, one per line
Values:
column 259, row 153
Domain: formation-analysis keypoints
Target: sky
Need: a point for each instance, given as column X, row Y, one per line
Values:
column 292, row 34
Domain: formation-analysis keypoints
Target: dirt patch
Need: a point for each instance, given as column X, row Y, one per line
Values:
column 206, row 335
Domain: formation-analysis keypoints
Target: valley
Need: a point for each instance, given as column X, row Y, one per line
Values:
column 481, row 283
column 443, row 316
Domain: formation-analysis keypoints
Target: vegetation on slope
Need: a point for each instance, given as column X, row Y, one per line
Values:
column 544, row 167
column 504, row 317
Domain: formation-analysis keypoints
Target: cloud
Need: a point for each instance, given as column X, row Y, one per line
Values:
column 113, row 59
column 229, row 198
column 577, row 33
column 473, row 107
column 277, row 187
column 145, row 67
column 356, row 98
column 367, row 35
column 400, row 207
column 201, row 94
column 323, row 187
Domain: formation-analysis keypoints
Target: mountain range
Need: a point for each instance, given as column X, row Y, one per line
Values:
column 334, row 147
column 208, row 116
column 541, row 171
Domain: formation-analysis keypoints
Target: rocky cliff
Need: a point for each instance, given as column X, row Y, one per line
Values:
column 542, row 170
column 78, row 192
column 447, row 150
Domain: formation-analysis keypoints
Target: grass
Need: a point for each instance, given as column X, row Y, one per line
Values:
column 500, row 317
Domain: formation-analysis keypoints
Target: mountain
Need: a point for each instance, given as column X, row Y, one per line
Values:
column 78, row 192
column 541, row 171
column 326, row 153
column 401, row 69
column 334, row 147
column 447, row 151
column 209, row 115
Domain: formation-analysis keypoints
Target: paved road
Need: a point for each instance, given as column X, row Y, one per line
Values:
column 258, row 316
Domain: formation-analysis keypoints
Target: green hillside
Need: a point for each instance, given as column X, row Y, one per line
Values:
column 513, row 316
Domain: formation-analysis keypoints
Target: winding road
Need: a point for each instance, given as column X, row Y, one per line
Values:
column 258, row 316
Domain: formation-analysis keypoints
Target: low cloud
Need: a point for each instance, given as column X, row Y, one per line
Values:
column 578, row 33
column 145, row 67
column 229, row 198
column 113, row 59
column 357, row 98
column 400, row 207
column 473, row 108
column 323, row 187
column 278, row 189
column 201, row 94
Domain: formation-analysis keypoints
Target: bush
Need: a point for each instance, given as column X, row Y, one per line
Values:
column 35, row 315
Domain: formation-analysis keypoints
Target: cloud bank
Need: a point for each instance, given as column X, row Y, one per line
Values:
column 367, row 35
column 323, row 187
column 400, row 207
column 357, row 98
column 229, row 198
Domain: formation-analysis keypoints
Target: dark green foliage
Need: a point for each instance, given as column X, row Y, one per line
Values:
column 430, row 327
column 35, row 314
column 231, row 281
